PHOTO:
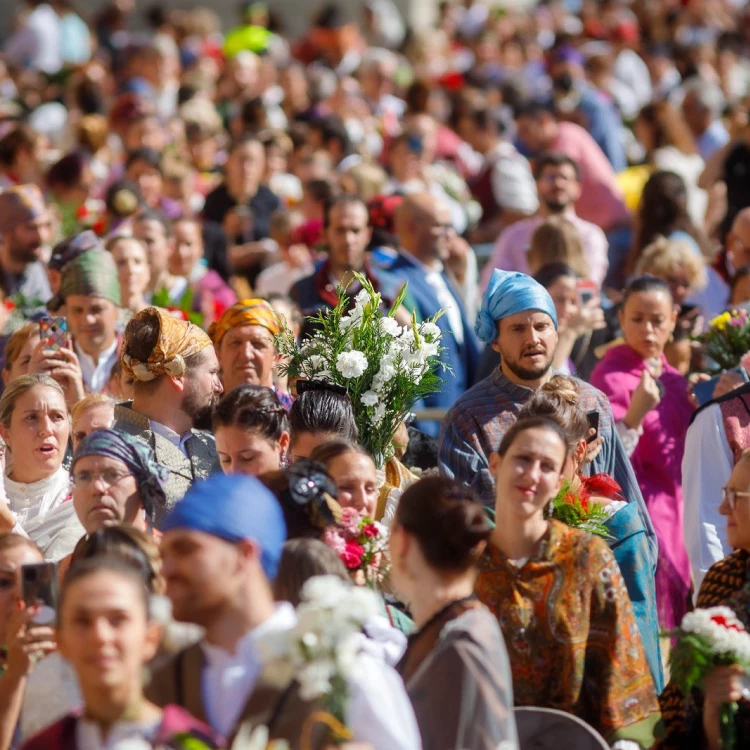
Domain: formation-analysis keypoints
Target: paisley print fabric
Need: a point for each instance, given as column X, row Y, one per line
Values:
column 570, row 632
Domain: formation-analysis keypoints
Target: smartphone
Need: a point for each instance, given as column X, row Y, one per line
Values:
column 53, row 331
column 39, row 587
column 586, row 292
column 593, row 420
column 704, row 391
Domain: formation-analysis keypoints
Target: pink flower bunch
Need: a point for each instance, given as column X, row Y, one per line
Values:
column 360, row 543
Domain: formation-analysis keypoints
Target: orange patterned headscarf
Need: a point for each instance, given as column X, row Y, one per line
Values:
column 246, row 312
column 177, row 341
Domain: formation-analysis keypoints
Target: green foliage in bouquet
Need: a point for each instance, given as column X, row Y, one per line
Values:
column 727, row 340
column 579, row 512
column 184, row 305
column 383, row 367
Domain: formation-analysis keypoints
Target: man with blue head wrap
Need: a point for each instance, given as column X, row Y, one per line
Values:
column 221, row 550
column 518, row 320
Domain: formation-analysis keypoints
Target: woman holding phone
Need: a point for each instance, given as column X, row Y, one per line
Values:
column 23, row 644
column 652, row 409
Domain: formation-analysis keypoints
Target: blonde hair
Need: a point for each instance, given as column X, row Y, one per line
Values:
column 88, row 402
column 369, row 180
column 18, row 388
column 557, row 240
column 19, row 338
column 663, row 257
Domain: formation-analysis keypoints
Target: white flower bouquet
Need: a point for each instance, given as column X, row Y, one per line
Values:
column 383, row 367
column 323, row 646
column 706, row 639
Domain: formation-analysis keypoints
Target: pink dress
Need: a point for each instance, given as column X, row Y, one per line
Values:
column 657, row 462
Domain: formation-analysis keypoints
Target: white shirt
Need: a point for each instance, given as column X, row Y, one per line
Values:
column 706, row 467
column 32, row 502
column 228, row 679
column 513, row 184
column 443, row 294
column 37, row 44
column 124, row 735
column 96, row 374
column 379, row 711
column 179, row 441
column 280, row 278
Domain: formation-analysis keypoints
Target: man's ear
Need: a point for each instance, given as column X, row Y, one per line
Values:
column 177, row 383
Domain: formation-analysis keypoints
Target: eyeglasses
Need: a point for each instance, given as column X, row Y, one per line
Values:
column 109, row 477
column 730, row 495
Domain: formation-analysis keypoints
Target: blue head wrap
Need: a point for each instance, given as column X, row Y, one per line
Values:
column 509, row 293
column 233, row 507
column 150, row 476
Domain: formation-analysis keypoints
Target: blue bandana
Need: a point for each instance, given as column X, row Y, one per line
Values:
column 233, row 507
column 150, row 476
column 509, row 293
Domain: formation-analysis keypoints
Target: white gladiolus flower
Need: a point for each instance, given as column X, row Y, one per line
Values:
column 369, row 398
column 315, row 679
column 390, row 326
column 430, row 329
column 325, row 591
column 351, row 364
column 362, row 298
column 379, row 413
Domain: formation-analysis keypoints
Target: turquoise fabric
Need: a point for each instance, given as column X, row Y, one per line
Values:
column 628, row 543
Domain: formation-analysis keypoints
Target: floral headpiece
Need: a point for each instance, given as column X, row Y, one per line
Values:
column 177, row 341
column 311, row 488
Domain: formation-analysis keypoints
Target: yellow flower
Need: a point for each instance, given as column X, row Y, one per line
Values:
column 720, row 322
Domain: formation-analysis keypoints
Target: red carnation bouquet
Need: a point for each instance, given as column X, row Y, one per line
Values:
column 576, row 509
column 360, row 543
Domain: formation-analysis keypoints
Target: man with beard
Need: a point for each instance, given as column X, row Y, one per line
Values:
column 243, row 339
column 176, row 386
column 519, row 321
column 25, row 229
column 90, row 293
column 558, row 184
column 347, row 232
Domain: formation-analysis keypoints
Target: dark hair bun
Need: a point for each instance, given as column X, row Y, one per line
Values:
column 447, row 520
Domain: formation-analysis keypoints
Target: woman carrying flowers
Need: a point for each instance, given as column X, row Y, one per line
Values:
column 652, row 410
column 692, row 720
column 558, row 400
column 559, row 597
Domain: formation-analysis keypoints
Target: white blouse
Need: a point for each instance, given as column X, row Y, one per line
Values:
column 41, row 513
column 32, row 502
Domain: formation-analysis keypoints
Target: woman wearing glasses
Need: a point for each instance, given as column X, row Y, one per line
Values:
column 693, row 721
column 116, row 479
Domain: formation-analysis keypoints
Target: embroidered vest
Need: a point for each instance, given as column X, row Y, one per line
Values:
column 735, row 413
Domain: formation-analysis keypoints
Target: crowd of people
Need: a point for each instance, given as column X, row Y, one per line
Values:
column 564, row 192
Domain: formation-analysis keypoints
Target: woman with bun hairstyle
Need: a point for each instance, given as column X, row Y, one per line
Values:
column 559, row 400
column 456, row 659
column 559, row 597
column 252, row 431
column 652, row 408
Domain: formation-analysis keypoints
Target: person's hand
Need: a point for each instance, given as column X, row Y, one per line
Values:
column 646, row 397
column 723, row 685
column 61, row 365
column 593, row 449
column 247, row 255
column 27, row 643
column 590, row 318
column 727, row 383
column 458, row 255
